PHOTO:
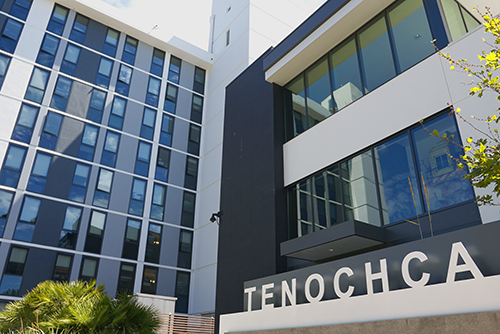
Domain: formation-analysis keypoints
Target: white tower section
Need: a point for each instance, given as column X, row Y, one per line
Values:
column 241, row 31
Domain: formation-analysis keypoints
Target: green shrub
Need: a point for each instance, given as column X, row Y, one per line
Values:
column 77, row 307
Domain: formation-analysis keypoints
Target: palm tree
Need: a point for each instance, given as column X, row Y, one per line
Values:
column 77, row 307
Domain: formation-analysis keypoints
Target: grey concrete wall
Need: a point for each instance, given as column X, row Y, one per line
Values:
column 114, row 233
column 484, row 323
column 173, row 205
column 187, row 75
column 144, row 56
column 183, row 106
column 180, row 135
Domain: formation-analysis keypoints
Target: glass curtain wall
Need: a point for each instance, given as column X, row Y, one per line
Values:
column 408, row 174
column 386, row 46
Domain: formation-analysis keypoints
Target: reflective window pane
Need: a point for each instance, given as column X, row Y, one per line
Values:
column 319, row 100
column 345, row 74
column 411, row 33
column 440, row 174
column 376, row 54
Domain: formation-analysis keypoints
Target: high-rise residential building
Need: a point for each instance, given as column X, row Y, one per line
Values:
column 111, row 144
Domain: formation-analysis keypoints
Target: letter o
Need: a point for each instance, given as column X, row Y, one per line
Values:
column 321, row 292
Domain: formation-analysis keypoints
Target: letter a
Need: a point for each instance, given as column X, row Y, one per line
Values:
column 469, row 265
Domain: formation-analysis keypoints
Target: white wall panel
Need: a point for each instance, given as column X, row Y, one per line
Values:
column 17, row 78
column 202, row 294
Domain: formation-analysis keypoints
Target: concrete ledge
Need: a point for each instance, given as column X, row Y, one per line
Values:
column 483, row 322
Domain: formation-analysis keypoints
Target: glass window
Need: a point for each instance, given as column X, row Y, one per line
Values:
column 12, row 166
column 199, row 80
column 319, row 98
column 110, row 151
column 375, row 53
column 69, row 231
column 37, row 85
column 79, row 184
column 48, row 50
column 89, row 139
column 153, row 91
column 295, row 107
column 104, row 72
column 96, row 107
column 89, row 269
column 48, row 139
column 182, row 292
column 162, row 163
column 93, row 243
column 171, row 98
column 196, row 108
column 167, row 129
column 153, row 246
column 111, row 42
column 191, row 173
column 194, row 139
column 158, row 205
column 136, row 206
column 149, row 280
column 61, row 93
column 174, row 70
column 25, row 123
column 5, row 201
column 103, row 188
column 443, row 180
column 345, row 74
column 143, row 155
column 13, row 273
column 157, row 62
column 26, row 224
column 130, row 50
column 188, row 206
column 117, row 113
column 58, row 19
column 126, row 278
column 4, row 65
column 79, row 29
column 10, row 35
column 410, row 32
column 395, row 164
column 70, row 60
column 131, row 242
column 148, row 123
column 185, row 249
column 62, row 268
column 39, row 173
column 122, row 85
column 458, row 19
column 20, row 9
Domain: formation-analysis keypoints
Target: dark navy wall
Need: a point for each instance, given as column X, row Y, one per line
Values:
column 253, row 200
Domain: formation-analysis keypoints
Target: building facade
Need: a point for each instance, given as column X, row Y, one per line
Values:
column 329, row 160
column 111, row 144
column 101, row 135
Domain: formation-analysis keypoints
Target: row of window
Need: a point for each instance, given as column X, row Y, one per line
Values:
column 78, row 33
column 17, row 258
column 13, row 164
column 14, row 161
column 29, row 215
column 407, row 175
column 386, row 46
